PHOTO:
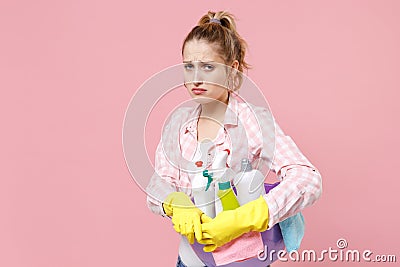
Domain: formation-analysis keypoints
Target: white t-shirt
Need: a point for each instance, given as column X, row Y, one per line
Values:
column 188, row 256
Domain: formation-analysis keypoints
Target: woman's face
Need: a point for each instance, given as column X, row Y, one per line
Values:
column 205, row 72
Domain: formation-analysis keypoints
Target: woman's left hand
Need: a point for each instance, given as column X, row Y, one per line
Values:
column 230, row 224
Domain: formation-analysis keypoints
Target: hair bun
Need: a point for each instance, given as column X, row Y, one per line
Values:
column 223, row 18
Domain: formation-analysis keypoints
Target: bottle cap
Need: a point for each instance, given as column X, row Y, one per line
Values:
column 245, row 165
column 224, row 185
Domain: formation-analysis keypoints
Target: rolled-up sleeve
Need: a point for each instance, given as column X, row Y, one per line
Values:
column 162, row 183
column 166, row 177
column 300, row 181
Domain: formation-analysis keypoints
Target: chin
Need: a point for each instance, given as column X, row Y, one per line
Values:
column 202, row 99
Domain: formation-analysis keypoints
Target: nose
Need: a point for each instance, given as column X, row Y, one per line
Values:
column 197, row 77
column 197, row 83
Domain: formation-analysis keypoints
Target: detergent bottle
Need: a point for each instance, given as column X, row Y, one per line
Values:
column 223, row 175
column 249, row 183
column 203, row 190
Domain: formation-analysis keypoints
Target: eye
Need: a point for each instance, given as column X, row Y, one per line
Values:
column 188, row 66
column 208, row 67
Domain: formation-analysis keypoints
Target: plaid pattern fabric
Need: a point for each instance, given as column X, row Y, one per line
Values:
column 249, row 132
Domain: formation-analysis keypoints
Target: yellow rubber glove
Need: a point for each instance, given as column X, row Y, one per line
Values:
column 186, row 217
column 230, row 224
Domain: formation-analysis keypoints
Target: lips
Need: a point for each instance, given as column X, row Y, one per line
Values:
column 198, row 91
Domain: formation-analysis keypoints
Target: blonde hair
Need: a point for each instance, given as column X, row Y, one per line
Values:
column 230, row 45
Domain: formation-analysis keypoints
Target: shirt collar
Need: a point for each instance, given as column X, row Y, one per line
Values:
column 231, row 113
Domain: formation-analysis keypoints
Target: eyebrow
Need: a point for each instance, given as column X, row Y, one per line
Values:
column 190, row 61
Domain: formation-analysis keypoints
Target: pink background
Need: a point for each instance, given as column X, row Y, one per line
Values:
column 330, row 70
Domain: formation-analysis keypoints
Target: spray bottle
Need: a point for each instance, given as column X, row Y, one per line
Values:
column 224, row 175
column 249, row 183
column 203, row 190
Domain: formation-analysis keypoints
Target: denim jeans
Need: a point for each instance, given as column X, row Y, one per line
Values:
column 179, row 263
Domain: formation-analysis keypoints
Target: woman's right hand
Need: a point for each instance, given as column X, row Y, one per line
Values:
column 186, row 217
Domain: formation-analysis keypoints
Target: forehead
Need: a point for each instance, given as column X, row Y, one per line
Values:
column 199, row 50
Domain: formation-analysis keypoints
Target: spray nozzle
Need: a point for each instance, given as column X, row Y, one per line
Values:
column 209, row 177
column 199, row 163
column 220, row 159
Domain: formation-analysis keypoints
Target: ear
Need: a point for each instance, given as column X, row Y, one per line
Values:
column 234, row 67
column 235, row 64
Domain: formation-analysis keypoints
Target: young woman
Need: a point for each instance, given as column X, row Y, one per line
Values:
column 213, row 59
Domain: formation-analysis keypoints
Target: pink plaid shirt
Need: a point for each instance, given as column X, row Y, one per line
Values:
column 256, row 136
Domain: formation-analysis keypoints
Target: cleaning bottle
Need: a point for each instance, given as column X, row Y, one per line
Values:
column 249, row 183
column 203, row 190
column 223, row 175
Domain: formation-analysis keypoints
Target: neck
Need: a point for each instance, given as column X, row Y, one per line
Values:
column 214, row 110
